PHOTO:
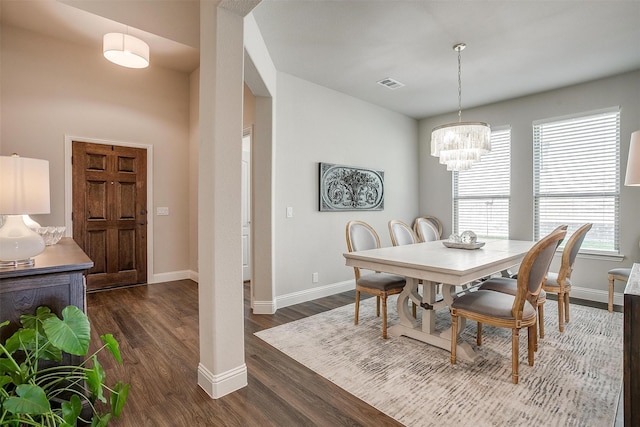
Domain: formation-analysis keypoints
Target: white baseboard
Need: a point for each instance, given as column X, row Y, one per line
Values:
column 596, row 295
column 264, row 307
column 222, row 384
column 314, row 293
column 170, row 276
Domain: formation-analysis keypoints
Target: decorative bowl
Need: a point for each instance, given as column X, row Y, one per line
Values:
column 51, row 235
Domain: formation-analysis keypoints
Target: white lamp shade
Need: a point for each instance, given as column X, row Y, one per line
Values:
column 125, row 50
column 24, row 186
column 633, row 161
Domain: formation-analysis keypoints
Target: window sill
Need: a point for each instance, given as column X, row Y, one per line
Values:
column 602, row 256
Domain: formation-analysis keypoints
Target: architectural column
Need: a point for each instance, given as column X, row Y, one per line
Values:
column 222, row 368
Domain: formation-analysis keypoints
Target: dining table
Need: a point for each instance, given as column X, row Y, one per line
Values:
column 433, row 263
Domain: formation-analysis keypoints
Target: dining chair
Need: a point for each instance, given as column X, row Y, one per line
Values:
column 402, row 234
column 509, row 285
column 509, row 311
column 560, row 283
column 621, row 274
column 361, row 236
column 427, row 228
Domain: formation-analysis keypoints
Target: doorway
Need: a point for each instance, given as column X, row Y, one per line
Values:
column 109, row 212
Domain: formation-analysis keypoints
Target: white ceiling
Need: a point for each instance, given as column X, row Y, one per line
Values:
column 514, row 48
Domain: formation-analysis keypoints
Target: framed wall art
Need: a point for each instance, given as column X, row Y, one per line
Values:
column 348, row 188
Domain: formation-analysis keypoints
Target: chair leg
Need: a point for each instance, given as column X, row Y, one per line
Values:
column 357, row 307
column 377, row 306
column 541, row 320
column 384, row 317
column 479, row 335
column 566, row 307
column 535, row 336
column 610, row 294
column 532, row 337
column 413, row 309
column 454, row 337
column 561, row 311
column 515, row 346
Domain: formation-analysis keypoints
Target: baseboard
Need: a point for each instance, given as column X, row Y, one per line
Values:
column 596, row 295
column 264, row 307
column 170, row 276
column 314, row 293
column 220, row 385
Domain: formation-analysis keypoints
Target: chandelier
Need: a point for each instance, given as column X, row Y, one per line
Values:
column 459, row 145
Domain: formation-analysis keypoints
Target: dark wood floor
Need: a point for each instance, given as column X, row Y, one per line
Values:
column 157, row 328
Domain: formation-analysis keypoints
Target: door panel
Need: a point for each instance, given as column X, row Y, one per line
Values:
column 109, row 212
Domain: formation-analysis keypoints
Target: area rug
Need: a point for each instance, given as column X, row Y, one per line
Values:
column 576, row 379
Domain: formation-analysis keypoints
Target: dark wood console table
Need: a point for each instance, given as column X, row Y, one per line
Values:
column 632, row 348
column 56, row 280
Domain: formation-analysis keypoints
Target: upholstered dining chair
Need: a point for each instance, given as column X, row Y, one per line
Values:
column 402, row 234
column 621, row 274
column 509, row 311
column 509, row 285
column 560, row 283
column 361, row 236
column 427, row 228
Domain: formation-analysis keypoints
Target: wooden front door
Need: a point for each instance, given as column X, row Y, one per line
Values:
column 110, row 212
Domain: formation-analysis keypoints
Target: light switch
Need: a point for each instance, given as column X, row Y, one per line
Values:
column 289, row 212
column 162, row 211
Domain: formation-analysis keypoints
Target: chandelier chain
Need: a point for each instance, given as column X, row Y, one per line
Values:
column 459, row 87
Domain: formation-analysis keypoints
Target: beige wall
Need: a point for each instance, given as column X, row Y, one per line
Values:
column 51, row 89
column 248, row 108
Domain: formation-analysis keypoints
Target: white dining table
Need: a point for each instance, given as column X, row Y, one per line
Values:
column 433, row 263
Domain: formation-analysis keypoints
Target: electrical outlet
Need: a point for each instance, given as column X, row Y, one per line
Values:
column 289, row 212
column 314, row 278
column 162, row 211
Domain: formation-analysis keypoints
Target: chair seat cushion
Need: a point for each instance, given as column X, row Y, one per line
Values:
column 381, row 281
column 552, row 281
column 492, row 303
column 623, row 272
column 509, row 286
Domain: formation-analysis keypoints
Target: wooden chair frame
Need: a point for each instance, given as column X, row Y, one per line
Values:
column 563, row 287
column 381, row 295
column 613, row 276
column 517, row 322
column 435, row 222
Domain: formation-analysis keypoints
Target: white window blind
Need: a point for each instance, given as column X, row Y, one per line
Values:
column 577, row 177
column 481, row 194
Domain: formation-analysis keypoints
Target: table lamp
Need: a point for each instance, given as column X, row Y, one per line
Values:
column 24, row 189
column 633, row 161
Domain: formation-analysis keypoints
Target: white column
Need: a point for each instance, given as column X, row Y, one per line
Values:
column 222, row 368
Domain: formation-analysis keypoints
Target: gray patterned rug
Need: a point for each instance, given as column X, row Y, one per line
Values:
column 576, row 380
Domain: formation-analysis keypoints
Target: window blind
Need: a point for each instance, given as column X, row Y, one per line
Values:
column 577, row 177
column 481, row 194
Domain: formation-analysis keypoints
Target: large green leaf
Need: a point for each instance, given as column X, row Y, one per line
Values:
column 35, row 322
column 95, row 379
column 31, row 400
column 100, row 421
column 72, row 333
column 119, row 397
column 113, row 346
column 71, row 410
column 24, row 339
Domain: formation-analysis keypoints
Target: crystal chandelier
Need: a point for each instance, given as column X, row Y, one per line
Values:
column 459, row 145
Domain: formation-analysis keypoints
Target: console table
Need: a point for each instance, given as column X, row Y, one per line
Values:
column 56, row 280
column 631, row 344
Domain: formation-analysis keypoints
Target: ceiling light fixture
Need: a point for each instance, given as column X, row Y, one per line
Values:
column 125, row 50
column 459, row 145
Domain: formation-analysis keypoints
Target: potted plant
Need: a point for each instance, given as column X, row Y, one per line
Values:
column 37, row 390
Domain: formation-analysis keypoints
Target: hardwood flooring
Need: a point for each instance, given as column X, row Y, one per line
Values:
column 157, row 328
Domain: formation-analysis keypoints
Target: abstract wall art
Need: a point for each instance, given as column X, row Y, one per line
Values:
column 348, row 188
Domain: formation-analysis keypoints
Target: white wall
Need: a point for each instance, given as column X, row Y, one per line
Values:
column 316, row 124
column 622, row 90
column 52, row 88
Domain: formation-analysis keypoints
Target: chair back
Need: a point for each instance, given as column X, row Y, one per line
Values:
column 571, row 250
column 427, row 229
column 360, row 237
column 533, row 270
column 401, row 233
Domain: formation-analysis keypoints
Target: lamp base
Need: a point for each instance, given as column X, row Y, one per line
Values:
column 18, row 243
column 28, row 262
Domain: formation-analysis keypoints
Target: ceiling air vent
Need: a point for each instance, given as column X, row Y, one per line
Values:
column 390, row 83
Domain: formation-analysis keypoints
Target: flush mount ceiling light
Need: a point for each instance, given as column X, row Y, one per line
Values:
column 125, row 50
column 459, row 145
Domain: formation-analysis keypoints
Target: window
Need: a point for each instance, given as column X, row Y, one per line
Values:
column 577, row 176
column 481, row 194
